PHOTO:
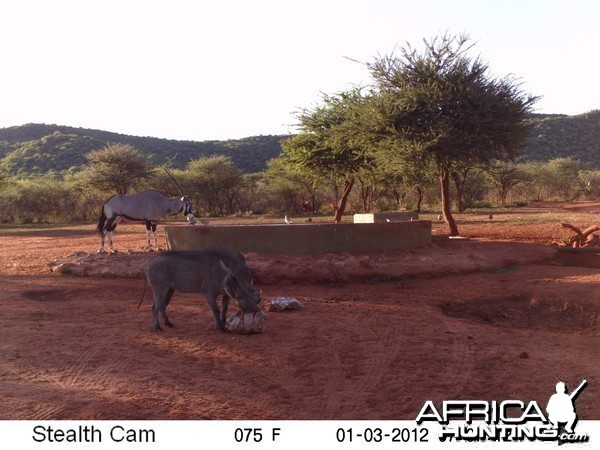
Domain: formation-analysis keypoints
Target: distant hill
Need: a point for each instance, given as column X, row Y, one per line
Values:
column 39, row 148
column 556, row 136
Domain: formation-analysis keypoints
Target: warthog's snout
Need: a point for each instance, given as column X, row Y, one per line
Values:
column 248, row 300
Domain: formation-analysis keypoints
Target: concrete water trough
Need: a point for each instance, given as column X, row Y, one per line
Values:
column 313, row 238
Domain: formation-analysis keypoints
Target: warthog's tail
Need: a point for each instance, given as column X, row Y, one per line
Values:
column 143, row 292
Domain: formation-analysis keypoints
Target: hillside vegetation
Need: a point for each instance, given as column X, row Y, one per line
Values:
column 557, row 136
column 39, row 148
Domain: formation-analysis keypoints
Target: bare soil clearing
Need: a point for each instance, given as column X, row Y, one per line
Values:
column 492, row 318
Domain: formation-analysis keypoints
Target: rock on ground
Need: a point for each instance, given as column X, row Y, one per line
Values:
column 282, row 303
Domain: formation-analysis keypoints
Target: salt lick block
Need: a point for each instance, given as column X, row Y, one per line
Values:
column 247, row 322
column 282, row 303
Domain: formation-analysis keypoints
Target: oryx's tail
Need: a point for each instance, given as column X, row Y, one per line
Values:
column 101, row 221
column 143, row 292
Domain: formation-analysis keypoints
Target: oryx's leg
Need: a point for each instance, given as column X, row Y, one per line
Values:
column 214, row 308
column 102, row 236
column 111, row 224
column 110, row 242
column 148, row 228
column 224, row 306
column 154, row 234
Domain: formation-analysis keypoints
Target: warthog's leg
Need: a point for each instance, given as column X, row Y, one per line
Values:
column 214, row 308
column 224, row 306
column 161, row 300
column 164, row 311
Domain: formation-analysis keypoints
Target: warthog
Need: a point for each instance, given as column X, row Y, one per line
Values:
column 211, row 272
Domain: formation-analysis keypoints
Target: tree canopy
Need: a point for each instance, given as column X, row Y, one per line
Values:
column 116, row 168
column 332, row 142
column 443, row 108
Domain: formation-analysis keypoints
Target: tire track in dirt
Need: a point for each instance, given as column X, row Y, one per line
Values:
column 69, row 374
column 340, row 404
column 463, row 352
column 91, row 372
column 86, row 379
column 46, row 412
column 375, row 366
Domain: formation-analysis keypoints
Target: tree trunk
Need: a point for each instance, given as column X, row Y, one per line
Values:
column 342, row 206
column 503, row 194
column 419, row 198
column 460, row 181
column 365, row 192
column 444, row 177
column 230, row 201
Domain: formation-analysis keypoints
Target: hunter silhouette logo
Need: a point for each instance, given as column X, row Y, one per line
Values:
column 508, row 420
column 561, row 407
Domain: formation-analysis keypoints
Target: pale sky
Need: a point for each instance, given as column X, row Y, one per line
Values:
column 221, row 69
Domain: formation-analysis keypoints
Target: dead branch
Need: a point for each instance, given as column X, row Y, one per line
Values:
column 583, row 238
column 589, row 230
column 591, row 240
column 572, row 227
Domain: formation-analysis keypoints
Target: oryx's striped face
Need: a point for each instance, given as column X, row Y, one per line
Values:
column 186, row 208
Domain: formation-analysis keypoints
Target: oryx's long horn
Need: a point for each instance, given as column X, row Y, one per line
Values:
column 174, row 180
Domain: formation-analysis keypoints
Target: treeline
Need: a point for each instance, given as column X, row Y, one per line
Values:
column 556, row 136
column 217, row 187
column 36, row 149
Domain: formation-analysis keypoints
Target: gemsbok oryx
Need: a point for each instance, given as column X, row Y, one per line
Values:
column 148, row 206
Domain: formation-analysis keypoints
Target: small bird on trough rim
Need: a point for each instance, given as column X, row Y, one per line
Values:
column 287, row 220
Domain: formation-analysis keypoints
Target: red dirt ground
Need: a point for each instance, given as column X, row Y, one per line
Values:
column 492, row 318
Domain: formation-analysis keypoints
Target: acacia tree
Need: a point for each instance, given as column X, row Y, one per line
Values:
column 116, row 168
column 503, row 176
column 332, row 142
column 590, row 183
column 443, row 106
column 291, row 184
column 216, row 181
column 564, row 176
column 460, row 175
